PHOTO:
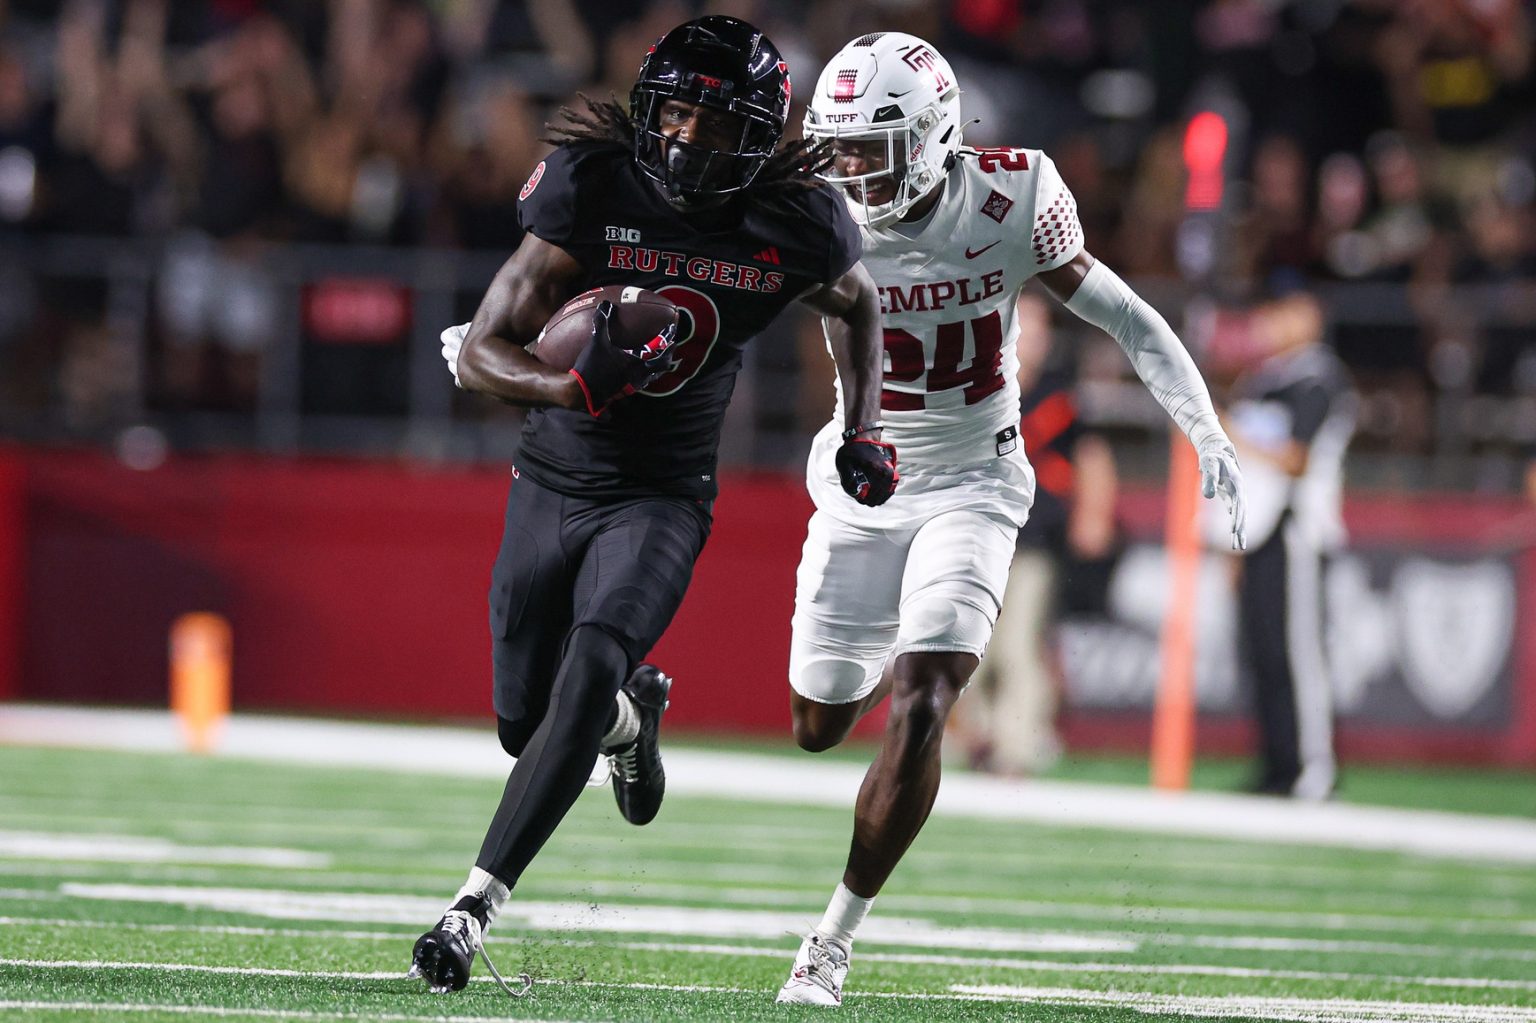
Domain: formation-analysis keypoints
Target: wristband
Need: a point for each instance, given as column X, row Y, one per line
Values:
column 869, row 427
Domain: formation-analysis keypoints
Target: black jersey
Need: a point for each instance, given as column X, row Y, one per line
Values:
column 733, row 270
column 1305, row 397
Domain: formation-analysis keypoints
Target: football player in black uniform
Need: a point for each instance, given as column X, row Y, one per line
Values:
column 689, row 194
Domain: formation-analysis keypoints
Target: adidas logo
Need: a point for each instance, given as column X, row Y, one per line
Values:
column 768, row 255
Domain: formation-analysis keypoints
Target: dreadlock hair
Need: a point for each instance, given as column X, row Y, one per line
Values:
column 606, row 122
column 793, row 168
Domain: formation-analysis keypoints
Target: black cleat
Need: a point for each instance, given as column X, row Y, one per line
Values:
column 638, row 779
column 444, row 954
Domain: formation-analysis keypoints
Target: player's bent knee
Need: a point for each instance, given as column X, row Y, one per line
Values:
column 593, row 669
column 514, row 735
column 818, row 726
column 922, row 710
column 944, row 624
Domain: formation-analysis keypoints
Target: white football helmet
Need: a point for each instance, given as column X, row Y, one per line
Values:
column 894, row 88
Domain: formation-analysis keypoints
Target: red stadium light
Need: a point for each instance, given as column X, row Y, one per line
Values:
column 1205, row 149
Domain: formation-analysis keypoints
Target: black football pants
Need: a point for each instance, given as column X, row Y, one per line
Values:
column 581, row 591
column 1281, row 607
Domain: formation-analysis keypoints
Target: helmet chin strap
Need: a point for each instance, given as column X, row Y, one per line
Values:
column 679, row 162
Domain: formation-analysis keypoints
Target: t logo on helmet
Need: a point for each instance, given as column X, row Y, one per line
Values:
column 921, row 58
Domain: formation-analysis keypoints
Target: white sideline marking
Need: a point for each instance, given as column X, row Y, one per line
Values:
column 101, row 848
column 1364, row 947
column 223, row 929
column 1301, row 1009
column 1332, row 921
column 1239, row 943
column 580, row 882
column 806, row 781
column 1154, row 969
column 578, row 879
column 583, row 916
column 1307, row 1010
column 221, row 1010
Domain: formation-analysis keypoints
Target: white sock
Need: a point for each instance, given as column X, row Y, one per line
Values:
column 844, row 914
column 492, row 887
column 626, row 725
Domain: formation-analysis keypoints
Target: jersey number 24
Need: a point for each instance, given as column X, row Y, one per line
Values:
column 981, row 376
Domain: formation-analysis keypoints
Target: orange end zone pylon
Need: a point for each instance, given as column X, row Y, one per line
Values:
column 1173, row 717
column 200, row 658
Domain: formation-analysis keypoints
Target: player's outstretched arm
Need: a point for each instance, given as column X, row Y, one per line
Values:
column 850, row 306
column 1096, row 294
column 528, row 289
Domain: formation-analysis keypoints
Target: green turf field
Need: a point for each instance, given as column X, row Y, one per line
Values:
column 151, row 887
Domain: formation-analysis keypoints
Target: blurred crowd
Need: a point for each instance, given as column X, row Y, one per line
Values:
column 1379, row 141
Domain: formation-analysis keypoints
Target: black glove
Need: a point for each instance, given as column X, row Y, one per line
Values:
column 868, row 470
column 607, row 372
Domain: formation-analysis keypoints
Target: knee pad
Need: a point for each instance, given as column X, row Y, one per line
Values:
column 945, row 622
column 834, row 672
column 514, row 735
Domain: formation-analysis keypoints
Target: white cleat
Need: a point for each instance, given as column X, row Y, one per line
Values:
column 818, row 974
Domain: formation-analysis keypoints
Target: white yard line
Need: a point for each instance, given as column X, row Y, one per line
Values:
column 1503, row 917
column 1307, row 1010
column 914, row 959
column 1157, row 914
column 611, row 918
column 193, row 879
column 1275, row 882
column 1304, row 1010
column 1257, row 943
column 105, row 848
column 807, row 781
column 221, row 1011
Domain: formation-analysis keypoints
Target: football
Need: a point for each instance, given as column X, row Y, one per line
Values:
column 638, row 316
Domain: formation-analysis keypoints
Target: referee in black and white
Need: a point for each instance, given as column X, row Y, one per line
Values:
column 1291, row 418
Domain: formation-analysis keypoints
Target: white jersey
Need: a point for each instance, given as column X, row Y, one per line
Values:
column 947, row 290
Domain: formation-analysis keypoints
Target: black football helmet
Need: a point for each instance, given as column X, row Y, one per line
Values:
column 719, row 62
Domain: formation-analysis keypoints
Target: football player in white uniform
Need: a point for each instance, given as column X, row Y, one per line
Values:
column 901, row 599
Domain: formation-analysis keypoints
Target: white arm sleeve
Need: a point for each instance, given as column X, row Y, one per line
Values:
column 1156, row 352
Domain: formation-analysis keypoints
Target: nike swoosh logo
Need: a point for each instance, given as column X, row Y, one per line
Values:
column 972, row 255
column 897, row 95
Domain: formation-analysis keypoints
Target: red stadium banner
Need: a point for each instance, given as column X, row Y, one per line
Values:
column 13, row 547
column 360, row 588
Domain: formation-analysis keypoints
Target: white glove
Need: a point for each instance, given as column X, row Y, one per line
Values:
column 1219, row 474
column 453, row 340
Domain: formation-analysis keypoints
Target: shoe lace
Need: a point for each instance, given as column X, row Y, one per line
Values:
column 456, row 926
column 821, row 965
column 626, row 762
